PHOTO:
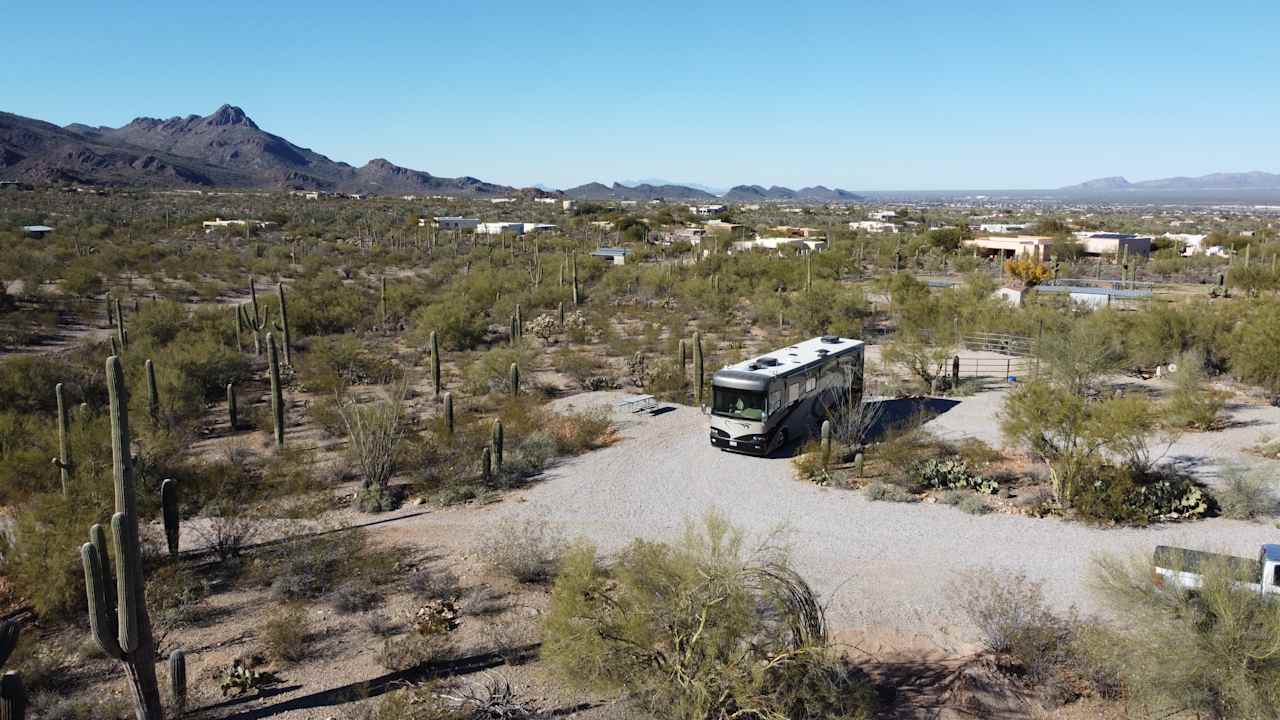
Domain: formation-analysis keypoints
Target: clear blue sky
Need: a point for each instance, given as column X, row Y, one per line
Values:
column 856, row 94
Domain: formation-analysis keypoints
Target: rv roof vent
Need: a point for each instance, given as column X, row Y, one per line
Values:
column 753, row 366
column 823, row 351
column 767, row 362
column 831, row 339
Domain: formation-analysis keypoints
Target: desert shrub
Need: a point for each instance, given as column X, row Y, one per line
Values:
column 57, row 705
column 490, row 371
column 888, row 492
column 528, row 551
column 529, row 457
column 322, row 305
column 309, row 568
column 1253, row 342
column 700, row 629
column 458, row 323
column 355, row 598
column 430, row 637
column 1192, row 403
column 374, row 432
column 1245, row 495
column 974, row 505
column 577, row 432
column 333, row 363
column 808, row 463
column 1011, row 616
column 1116, row 494
column 579, row 367
column 1210, row 653
column 43, row 558
column 227, row 528
column 429, row 584
column 284, row 634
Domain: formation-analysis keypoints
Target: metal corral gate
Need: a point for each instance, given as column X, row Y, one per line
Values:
column 1019, row 346
column 1016, row 367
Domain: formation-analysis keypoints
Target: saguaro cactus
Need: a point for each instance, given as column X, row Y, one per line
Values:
column 560, row 312
column 10, row 631
column 126, row 636
column 169, row 510
column 63, row 461
column 486, row 464
column 697, row 366
column 858, row 463
column 286, row 339
column 253, row 318
column 448, row 413
column 153, row 394
column 13, row 697
column 382, row 301
column 277, row 392
column 435, row 363
column 808, row 272
column 515, row 379
column 496, row 444
column 682, row 356
column 231, row 407
column 178, row 680
column 573, row 264
column 519, row 322
column 238, row 322
column 122, row 336
column 826, row 443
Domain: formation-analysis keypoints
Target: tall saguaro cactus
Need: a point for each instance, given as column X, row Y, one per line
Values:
column 253, row 318
column 448, row 413
column 13, row 697
column 496, row 443
column 126, row 636
column 286, row 339
column 697, row 366
column 277, row 392
column 153, row 393
column 122, row 335
column 10, row 631
column 515, row 379
column 573, row 263
column 169, row 511
column 63, row 461
column 435, row 363
column 231, row 407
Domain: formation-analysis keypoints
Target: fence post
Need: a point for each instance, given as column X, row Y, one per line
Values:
column 1008, row 368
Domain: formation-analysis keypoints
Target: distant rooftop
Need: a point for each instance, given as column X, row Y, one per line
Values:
column 37, row 228
column 610, row 252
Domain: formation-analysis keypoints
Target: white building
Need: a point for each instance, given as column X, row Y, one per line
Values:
column 874, row 226
column 498, row 228
column 615, row 255
column 1109, row 243
column 451, row 222
column 568, row 205
column 547, row 201
column 883, row 214
column 777, row 243
column 220, row 224
column 706, row 210
column 502, row 201
column 1005, row 228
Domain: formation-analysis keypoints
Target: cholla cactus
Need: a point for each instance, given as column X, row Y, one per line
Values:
column 546, row 327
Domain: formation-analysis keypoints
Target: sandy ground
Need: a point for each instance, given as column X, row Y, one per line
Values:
column 881, row 566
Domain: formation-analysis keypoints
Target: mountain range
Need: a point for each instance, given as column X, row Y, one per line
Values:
column 1212, row 182
column 224, row 149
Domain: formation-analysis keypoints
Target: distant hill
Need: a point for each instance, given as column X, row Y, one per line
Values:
column 817, row 193
column 618, row 191
column 1212, row 182
column 223, row 149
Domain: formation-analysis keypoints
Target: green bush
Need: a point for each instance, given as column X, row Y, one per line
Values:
column 1116, row 494
column 888, row 492
column 43, row 561
column 1246, row 495
column 698, row 630
column 458, row 323
column 1011, row 616
column 1210, row 653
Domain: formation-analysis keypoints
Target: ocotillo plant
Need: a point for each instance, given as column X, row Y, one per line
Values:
column 126, row 636
column 283, row 327
column 435, row 363
column 496, row 443
column 169, row 511
column 13, row 697
column 826, row 443
column 233, row 421
column 697, row 366
column 515, row 379
column 10, row 631
column 153, row 394
column 178, row 680
column 63, row 461
column 277, row 392
column 448, row 413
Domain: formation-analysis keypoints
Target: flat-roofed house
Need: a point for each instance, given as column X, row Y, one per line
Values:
column 1038, row 247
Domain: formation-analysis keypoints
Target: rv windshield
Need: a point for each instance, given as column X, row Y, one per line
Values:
column 743, row 404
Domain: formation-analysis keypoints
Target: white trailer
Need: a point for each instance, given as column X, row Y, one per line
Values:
column 1186, row 568
column 758, row 405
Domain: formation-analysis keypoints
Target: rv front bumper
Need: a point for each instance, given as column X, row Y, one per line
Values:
column 753, row 444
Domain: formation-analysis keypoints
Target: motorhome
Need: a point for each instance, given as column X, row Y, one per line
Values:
column 758, row 405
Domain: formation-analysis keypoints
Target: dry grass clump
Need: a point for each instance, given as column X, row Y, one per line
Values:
column 528, row 551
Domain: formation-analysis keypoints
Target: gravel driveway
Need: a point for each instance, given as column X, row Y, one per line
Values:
column 879, row 565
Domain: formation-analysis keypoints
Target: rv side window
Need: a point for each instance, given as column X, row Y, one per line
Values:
column 1275, row 575
column 810, row 384
column 775, row 399
column 793, row 391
